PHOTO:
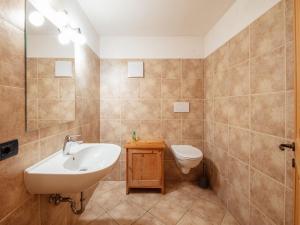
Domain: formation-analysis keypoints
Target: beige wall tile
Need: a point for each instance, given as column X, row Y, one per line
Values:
column 221, row 107
column 192, row 69
column 289, row 19
column 46, row 67
column 267, row 114
column 196, row 110
column 127, row 127
column 192, row 88
column 239, row 111
column 208, row 110
column 290, row 68
column 31, row 109
column 221, row 58
column 12, row 54
column 12, row 113
column 238, row 79
column 110, row 109
column 221, row 136
column 150, row 129
column 110, row 130
column 168, row 109
column 192, row 129
column 129, row 88
column 110, row 85
column 290, row 170
column 239, row 206
column 171, row 130
column 14, row 192
column 28, row 213
column 32, row 88
column 260, row 55
column 290, row 114
column 141, row 109
column 67, row 88
column 154, row 68
column 266, row 157
column 239, row 143
column 56, row 110
column 268, row 196
column 289, row 207
column 172, row 69
column 239, row 47
column 257, row 217
column 220, row 161
column 150, row 88
column 268, row 72
column 209, row 131
column 48, row 88
column 267, row 32
column 171, row 88
column 238, row 177
column 208, row 85
column 221, row 83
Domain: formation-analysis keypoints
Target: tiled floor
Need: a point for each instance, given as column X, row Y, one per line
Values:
column 183, row 204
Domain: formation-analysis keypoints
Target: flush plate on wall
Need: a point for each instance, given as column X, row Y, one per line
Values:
column 182, row 107
column 135, row 69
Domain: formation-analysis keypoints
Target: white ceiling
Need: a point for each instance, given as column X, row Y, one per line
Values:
column 154, row 17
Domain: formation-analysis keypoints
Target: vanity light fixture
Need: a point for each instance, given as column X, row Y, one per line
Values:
column 67, row 30
column 36, row 19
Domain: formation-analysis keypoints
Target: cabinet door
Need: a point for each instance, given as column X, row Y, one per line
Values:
column 145, row 168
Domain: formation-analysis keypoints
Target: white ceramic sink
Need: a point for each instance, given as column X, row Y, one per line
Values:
column 60, row 173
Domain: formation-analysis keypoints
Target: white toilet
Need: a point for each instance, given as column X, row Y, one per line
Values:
column 187, row 157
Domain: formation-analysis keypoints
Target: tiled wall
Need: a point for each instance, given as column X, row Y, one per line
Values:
column 49, row 99
column 249, row 106
column 146, row 106
column 17, row 205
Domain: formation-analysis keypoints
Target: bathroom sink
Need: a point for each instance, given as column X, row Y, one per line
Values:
column 73, row 173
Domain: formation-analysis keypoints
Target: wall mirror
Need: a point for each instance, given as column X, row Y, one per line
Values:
column 50, row 73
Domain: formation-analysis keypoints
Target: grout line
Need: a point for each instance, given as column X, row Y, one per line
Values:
column 250, row 125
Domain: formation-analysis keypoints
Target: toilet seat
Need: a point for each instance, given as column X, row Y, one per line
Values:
column 187, row 152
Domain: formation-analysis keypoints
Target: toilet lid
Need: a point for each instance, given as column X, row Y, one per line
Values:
column 187, row 151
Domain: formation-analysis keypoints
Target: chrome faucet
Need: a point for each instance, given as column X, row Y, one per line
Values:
column 69, row 141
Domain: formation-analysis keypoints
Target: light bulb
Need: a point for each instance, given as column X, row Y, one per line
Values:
column 36, row 19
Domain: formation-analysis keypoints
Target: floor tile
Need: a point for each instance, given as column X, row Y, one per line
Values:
column 105, row 219
column 168, row 211
column 191, row 218
column 144, row 199
column 184, row 203
column 92, row 211
column 108, row 200
column 148, row 219
column 211, row 212
column 183, row 198
column 126, row 213
column 229, row 220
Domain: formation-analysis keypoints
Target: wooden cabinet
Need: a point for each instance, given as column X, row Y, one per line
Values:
column 145, row 165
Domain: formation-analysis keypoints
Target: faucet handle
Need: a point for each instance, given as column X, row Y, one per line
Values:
column 72, row 137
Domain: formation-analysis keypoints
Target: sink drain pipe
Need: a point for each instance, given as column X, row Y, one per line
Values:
column 56, row 199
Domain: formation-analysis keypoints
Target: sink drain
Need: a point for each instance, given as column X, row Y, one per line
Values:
column 83, row 169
